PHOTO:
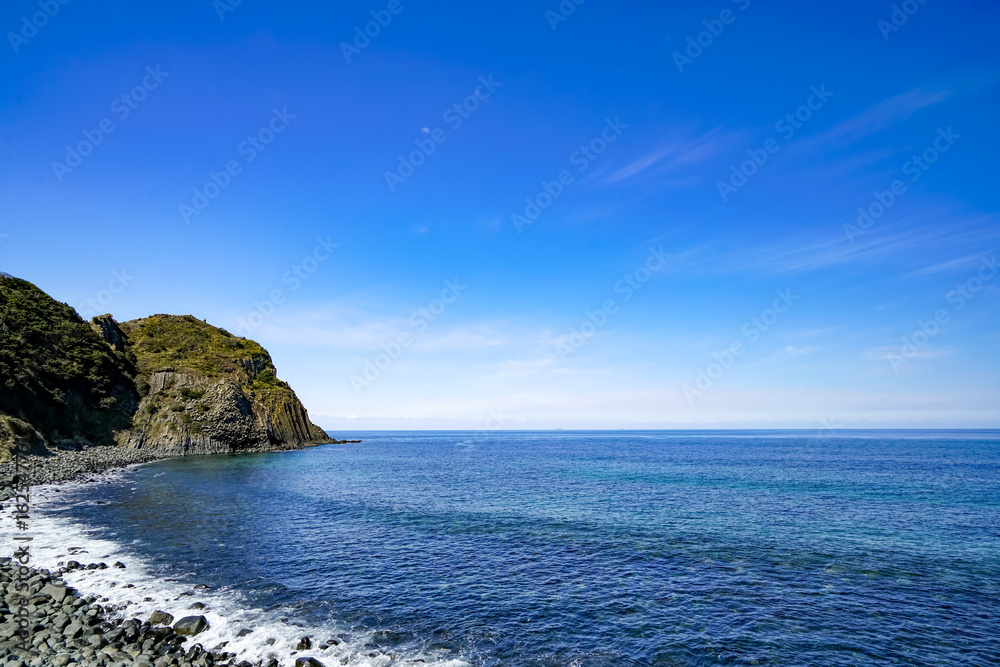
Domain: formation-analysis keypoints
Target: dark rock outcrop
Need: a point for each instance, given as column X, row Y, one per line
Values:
column 308, row 662
column 15, row 432
column 60, row 383
column 66, row 629
column 161, row 618
column 108, row 329
column 191, row 625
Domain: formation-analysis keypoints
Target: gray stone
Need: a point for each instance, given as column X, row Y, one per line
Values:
column 308, row 662
column 161, row 618
column 55, row 591
column 191, row 625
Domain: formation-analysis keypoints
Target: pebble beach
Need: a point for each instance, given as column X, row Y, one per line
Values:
column 45, row 621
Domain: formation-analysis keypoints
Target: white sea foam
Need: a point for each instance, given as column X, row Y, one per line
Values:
column 137, row 591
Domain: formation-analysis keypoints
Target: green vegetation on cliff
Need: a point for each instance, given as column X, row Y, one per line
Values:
column 183, row 341
column 209, row 389
column 165, row 382
column 58, row 377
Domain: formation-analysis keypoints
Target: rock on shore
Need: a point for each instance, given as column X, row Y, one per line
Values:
column 65, row 629
column 64, row 466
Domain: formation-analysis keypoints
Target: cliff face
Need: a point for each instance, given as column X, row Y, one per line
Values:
column 59, row 381
column 209, row 392
column 168, row 383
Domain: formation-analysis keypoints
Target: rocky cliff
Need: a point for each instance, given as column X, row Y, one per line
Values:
column 59, row 381
column 206, row 391
column 173, row 384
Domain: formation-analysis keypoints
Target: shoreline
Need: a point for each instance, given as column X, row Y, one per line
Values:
column 47, row 622
column 64, row 466
column 137, row 610
column 67, row 626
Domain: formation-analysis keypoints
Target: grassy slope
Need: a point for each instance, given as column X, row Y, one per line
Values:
column 56, row 373
column 185, row 343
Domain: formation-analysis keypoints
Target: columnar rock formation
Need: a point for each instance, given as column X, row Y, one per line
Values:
column 205, row 391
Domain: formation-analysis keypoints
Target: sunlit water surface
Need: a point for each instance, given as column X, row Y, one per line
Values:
column 565, row 548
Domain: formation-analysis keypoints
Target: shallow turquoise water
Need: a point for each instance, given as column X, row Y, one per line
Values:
column 596, row 548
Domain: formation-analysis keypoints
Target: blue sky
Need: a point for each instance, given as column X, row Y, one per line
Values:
column 627, row 215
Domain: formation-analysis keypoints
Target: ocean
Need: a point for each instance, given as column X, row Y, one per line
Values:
column 566, row 548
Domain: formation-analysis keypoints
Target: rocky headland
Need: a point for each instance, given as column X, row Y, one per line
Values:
column 78, row 398
column 205, row 391
column 164, row 385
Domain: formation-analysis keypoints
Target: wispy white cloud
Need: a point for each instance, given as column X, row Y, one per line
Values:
column 873, row 120
column 597, row 213
column 906, row 243
column 466, row 337
column 833, row 167
column 371, row 334
column 817, row 332
column 833, row 151
column 522, row 368
column 966, row 263
column 887, row 352
column 641, row 164
column 638, row 408
column 673, row 155
column 786, row 352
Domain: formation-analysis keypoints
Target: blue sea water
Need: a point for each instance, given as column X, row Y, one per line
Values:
column 584, row 548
